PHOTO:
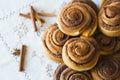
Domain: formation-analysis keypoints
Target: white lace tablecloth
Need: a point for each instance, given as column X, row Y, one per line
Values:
column 16, row 30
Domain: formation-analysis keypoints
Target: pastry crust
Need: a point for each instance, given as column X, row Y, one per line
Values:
column 117, row 55
column 88, row 2
column 64, row 73
column 53, row 41
column 107, row 45
column 80, row 53
column 102, row 3
column 77, row 18
column 108, row 68
column 58, row 71
column 107, row 2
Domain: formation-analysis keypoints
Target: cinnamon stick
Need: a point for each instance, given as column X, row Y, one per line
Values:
column 29, row 17
column 22, row 58
column 32, row 14
column 45, row 14
column 25, row 15
column 38, row 19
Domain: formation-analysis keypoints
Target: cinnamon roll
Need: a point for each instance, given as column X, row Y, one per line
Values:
column 107, row 45
column 77, row 18
column 88, row 2
column 80, row 53
column 108, row 68
column 65, row 73
column 109, row 19
column 53, row 41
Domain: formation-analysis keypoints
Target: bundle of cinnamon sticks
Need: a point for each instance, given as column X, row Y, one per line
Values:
column 35, row 16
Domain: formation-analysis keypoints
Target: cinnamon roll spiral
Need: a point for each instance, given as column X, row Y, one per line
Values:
column 107, row 45
column 53, row 41
column 80, row 53
column 109, row 19
column 77, row 18
column 65, row 73
column 58, row 71
column 108, row 68
column 88, row 2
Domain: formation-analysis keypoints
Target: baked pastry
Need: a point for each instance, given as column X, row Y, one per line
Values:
column 107, row 45
column 108, row 68
column 116, row 55
column 88, row 2
column 109, row 19
column 53, row 41
column 80, row 53
column 58, row 71
column 102, row 3
column 64, row 73
column 77, row 18
column 107, row 2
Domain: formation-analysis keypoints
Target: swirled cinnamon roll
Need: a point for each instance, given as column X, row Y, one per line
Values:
column 109, row 19
column 53, row 41
column 88, row 2
column 65, row 73
column 80, row 53
column 77, row 18
column 108, row 68
column 107, row 45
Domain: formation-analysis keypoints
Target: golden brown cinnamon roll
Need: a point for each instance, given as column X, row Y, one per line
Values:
column 53, row 41
column 80, row 53
column 108, row 68
column 109, row 19
column 88, row 2
column 107, row 45
column 65, row 73
column 77, row 18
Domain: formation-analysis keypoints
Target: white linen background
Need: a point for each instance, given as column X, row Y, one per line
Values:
column 16, row 30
